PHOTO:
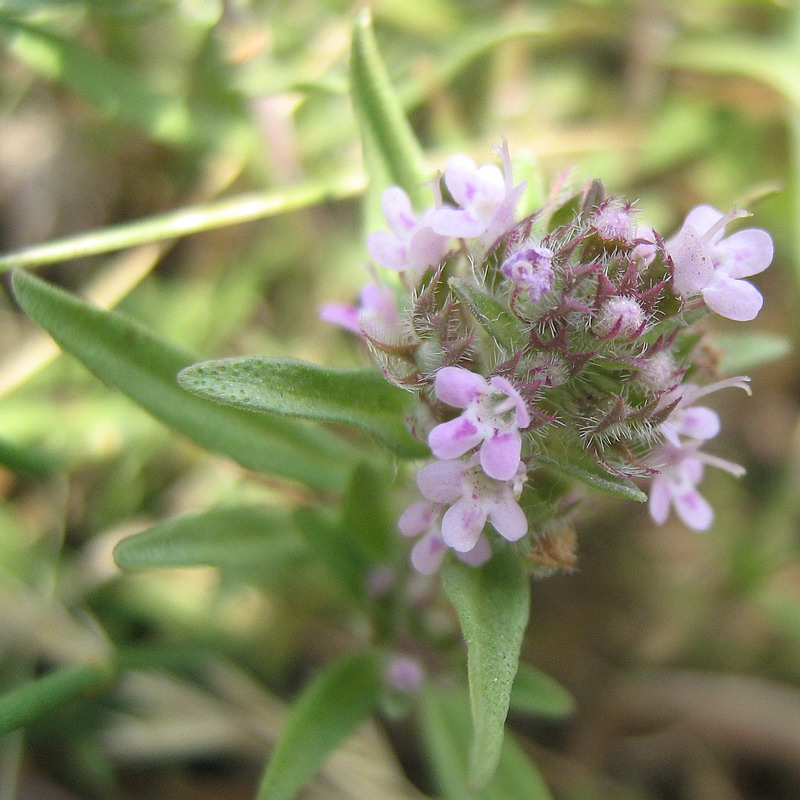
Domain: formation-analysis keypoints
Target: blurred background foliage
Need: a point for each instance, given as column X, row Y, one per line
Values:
column 682, row 651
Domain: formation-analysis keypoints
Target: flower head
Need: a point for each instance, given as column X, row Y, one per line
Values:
column 473, row 498
column 413, row 245
column 529, row 268
column 706, row 263
column 493, row 414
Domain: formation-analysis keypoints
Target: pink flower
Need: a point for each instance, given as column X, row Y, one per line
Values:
column 413, row 245
column 675, row 486
column 695, row 422
column 473, row 498
column 425, row 519
column 681, row 462
column 493, row 414
column 529, row 268
column 376, row 314
column 705, row 263
column 487, row 198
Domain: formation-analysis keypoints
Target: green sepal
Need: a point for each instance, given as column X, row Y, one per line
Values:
column 493, row 316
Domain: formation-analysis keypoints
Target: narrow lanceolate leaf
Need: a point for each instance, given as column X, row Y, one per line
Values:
column 366, row 519
column 536, row 693
column 252, row 538
column 492, row 607
column 358, row 397
column 385, row 129
column 325, row 714
column 124, row 355
column 42, row 696
column 494, row 317
column 445, row 728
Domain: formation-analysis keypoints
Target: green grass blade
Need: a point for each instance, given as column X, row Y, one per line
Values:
column 325, row 714
column 384, row 127
column 358, row 397
column 492, row 607
column 185, row 221
column 124, row 355
column 39, row 697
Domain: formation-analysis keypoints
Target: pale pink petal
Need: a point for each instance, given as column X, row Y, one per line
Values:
column 416, row 519
column 492, row 188
column 500, row 455
column 396, row 207
column 459, row 387
column 441, row 481
column 344, row 316
column 426, row 249
column 734, row 299
column 745, row 253
column 387, row 250
column 693, row 268
column 462, row 524
column 479, row 554
column 508, row 518
column 427, row 554
column 702, row 219
column 693, row 509
column 523, row 417
column 452, row 439
column 461, row 179
column 660, row 498
column 457, row 223
column 691, row 470
column 699, row 422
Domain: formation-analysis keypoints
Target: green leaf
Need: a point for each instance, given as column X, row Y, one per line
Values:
column 325, row 714
column 366, row 519
column 493, row 315
column 385, row 129
column 251, row 537
column 25, row 459
column 40, row 697
column 125, row 356
column 743, row 351
column 492, row 607
column 345, row 560
column 359, row 397
column 536, row 693
column 445, row 728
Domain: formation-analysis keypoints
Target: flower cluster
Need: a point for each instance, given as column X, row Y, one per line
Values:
column 546, row 347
